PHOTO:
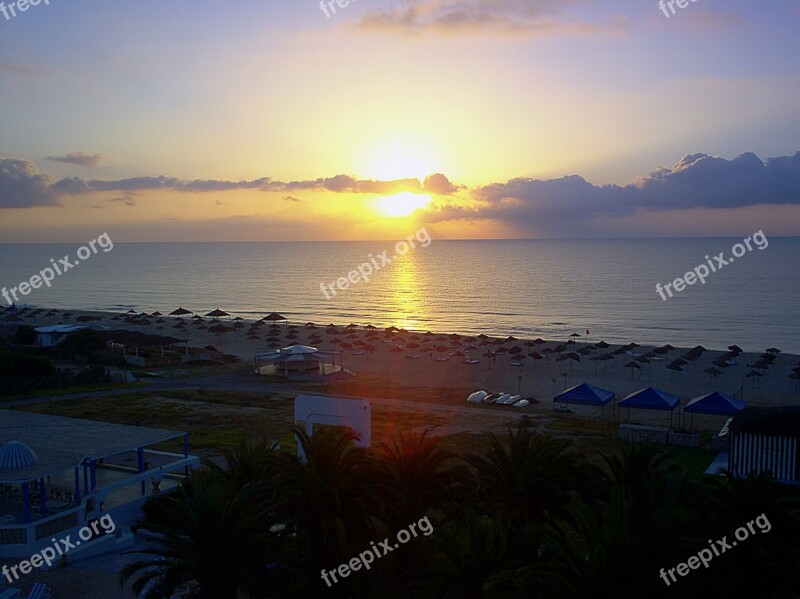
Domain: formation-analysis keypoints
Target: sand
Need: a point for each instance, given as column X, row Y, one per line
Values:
column 538, row 378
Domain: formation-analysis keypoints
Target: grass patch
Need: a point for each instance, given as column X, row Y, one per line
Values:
column 228, row 398
column 208, row 427
column 382, row 387
column 71, row 390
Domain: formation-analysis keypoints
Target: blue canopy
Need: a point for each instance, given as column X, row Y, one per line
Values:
column 650, row 399
column 585, row 394
column 714, row 403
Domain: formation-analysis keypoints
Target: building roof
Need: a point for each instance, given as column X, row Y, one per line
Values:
column 16, row 455
column 62, row 443
column 772, row 421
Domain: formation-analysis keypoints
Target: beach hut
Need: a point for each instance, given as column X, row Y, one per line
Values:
column 296, row 360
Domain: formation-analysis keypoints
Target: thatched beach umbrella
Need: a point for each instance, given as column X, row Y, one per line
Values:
column 217, row 313
column 753, row 375
column 713, row 372
column 180, row 312
column 633, row 365
column 274, row 317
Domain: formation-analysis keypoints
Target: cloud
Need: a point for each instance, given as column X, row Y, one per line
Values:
column 568, row 205
column 697, row 181
column 127, row 200
column 337, row 184
column 440, row 185
column 49, row 191
column 79, row 158
column 23, row 186
column 529, row 18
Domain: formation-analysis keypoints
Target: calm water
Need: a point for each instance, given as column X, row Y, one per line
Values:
column 524, row 288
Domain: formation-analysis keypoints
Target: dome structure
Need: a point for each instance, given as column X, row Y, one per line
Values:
column 15, row 454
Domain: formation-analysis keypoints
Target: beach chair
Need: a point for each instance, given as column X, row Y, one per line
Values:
column 10, row 594
column 40, row 591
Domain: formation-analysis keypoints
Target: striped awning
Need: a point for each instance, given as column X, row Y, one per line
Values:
column 16, row 455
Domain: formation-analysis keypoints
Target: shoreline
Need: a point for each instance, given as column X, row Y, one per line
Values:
column 540, row 377
column 249, row 317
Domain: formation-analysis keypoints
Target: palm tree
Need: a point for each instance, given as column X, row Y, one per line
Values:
column 209, row 541
column 247, row 463
column 470, row 552
column 330, row 498
column 525, row 475
column 419, row 477
column 773, row 511
column 643, row 478
column 614, row 546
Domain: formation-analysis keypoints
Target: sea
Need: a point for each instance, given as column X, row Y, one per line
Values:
column 525, row 288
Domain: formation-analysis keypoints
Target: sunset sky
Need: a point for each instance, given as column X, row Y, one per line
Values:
column 222, row 120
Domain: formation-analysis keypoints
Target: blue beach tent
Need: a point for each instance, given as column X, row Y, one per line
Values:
column 586, row 395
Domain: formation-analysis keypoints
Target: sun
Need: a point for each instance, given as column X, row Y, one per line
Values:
column 404, row 157
column 401, row 204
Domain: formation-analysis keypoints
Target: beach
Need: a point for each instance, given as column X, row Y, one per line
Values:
column 533, row 368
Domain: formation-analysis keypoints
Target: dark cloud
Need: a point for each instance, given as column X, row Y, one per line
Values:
column 440, row 185
column 292, row 199
column 79, row 158
column 696, row 181
column 23, row 186
column 338, row 184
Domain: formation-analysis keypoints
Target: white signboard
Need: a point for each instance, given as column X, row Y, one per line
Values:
column 334, row 411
